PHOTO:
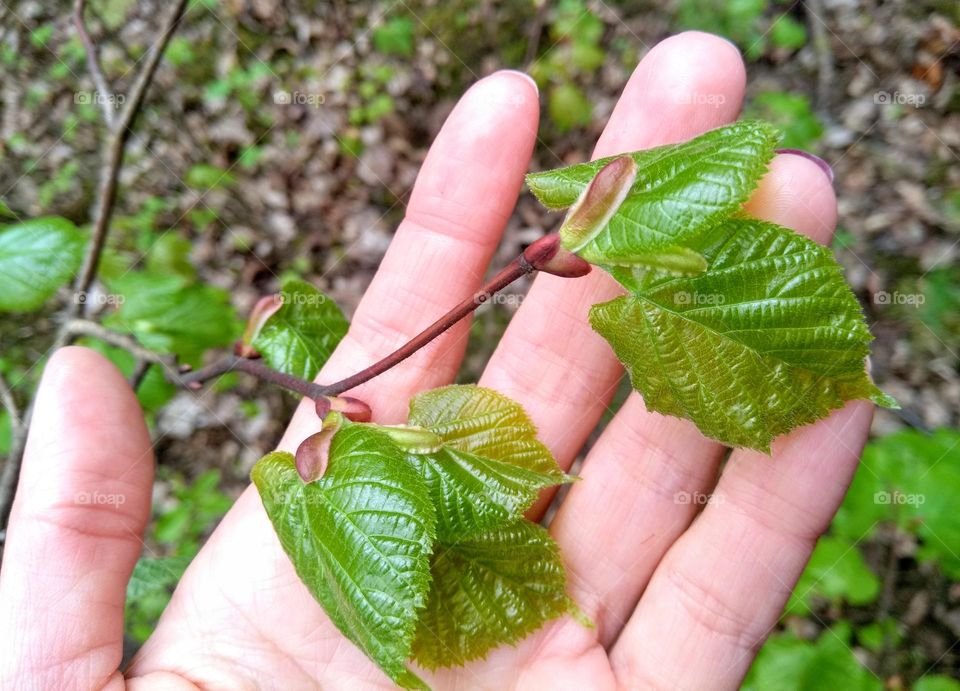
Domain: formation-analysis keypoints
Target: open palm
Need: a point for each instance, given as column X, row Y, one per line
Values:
column 683, row 591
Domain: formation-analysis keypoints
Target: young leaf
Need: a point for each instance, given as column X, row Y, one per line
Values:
column 489, row 468
column 360, row 539
column 485, row 423
column 489, row 589
column 679, row 190
column 36, row 258
column 299, row 337
column 767, row 339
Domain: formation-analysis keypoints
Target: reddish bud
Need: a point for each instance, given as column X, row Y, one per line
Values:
column 352, row 408
column 245, row 350
column 265, row 308
column 598, row 202
column 547, row 255
column 313, row 454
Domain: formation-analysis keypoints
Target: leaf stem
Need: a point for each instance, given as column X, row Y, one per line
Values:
column 513, row 271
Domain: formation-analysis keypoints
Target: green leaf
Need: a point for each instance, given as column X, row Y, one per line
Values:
column 569, row 107
column 836, row 571
column 787, row 663
column 6, row 432
column 490, row 467
column 788, row 33
column 299, row 337
column 36, row 258
column 912, row 480
column 168, row 314
column 170, row 254
column 148, row 592
column 792, row 113
column 878, row 633
column 680, row 190
column 473, row 494
column 483, row 422
column 205, row 177
column 152, row 574
column 936, row 682
column 360, row 538
column 769, row 338
column 394, row 37
column 490, row 589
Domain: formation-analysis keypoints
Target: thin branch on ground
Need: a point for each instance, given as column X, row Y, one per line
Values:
column 86, row 327
column 140, row 369
column 821, row 47
column 93, row 63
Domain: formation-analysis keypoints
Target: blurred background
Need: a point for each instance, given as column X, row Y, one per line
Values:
column 282, row 138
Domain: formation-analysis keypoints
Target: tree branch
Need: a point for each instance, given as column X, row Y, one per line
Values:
column 85, row 327
column 93, row 63
column 114, row 154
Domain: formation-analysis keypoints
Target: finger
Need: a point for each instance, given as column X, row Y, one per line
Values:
column 76, row 527
column 464, row 195
column 549, row 359
column 720, row 589
column 645, row 477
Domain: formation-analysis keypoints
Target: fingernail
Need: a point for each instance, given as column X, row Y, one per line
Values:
column 823, row 165
column 526, row 76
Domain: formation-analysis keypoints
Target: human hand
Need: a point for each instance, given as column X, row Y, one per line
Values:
column 681, row 598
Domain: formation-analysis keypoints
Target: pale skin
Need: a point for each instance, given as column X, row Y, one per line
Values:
column 682, row 594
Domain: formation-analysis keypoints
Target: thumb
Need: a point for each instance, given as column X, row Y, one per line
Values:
column 75, row 529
